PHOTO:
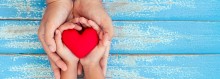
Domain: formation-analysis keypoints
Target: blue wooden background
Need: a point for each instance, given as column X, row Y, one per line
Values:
column 154, row 39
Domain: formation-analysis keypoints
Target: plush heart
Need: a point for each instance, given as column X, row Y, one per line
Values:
column 80, row 43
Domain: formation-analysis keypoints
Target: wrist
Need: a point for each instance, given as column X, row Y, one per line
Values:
column 72, row 63
column 89, row 62
column 90, row 66
column 72, row 66
column 70, row 73
column 93, row 71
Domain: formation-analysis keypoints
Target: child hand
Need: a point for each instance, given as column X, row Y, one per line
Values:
column 92, row 63
column 95, row 56
column 68, row 57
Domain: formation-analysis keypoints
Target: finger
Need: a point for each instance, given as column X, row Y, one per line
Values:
column 58, row 42
column 94, row 26
column 55, row 69
column 107, row 27
column 60, row 46
column 104, row 42
column 79, row 70
column 104, row 60
column 58, row 61
column 41, row 30
column 49, row 36
column 104, row 66
column 101, row 47
column 54, row 57
column 84, row 22
column 69, row 25
column 101, row 35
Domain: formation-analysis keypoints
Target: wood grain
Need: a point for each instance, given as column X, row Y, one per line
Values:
column 154, row 39
column 121, row 67
column 139, row 37
column 196, row 10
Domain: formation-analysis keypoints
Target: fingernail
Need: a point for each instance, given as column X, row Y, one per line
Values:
column 51, row 48
column 107, row 42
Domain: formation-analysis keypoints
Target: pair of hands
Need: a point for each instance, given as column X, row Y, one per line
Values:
column 59, row 11
column 92, row 60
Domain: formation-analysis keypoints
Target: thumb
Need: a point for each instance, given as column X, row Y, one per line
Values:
column 107, row 27
column 104, row 42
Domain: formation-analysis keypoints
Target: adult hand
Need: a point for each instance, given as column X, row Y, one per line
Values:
column 67, row 56
column 93, row 10
column 56, row 14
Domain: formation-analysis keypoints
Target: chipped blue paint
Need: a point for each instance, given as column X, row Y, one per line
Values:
column 165, row 66
column 164, row 9
column 179, row 37
column 18, row 9
column 206, row 10
column 122, row 67
column 174, row 27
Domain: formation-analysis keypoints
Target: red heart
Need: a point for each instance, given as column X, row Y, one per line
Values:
column 80, row 44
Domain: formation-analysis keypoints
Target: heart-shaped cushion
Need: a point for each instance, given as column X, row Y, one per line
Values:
column 80, row 43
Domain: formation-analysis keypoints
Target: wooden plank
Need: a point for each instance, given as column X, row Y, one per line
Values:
column 121, row 67
column 206, row 10
column 179, row 37
column 22, row 9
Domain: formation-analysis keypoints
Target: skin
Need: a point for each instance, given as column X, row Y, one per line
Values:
column 90, row 63
column 90, row 9
column 58, row 12
column 70, row 59
column 67, row 56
